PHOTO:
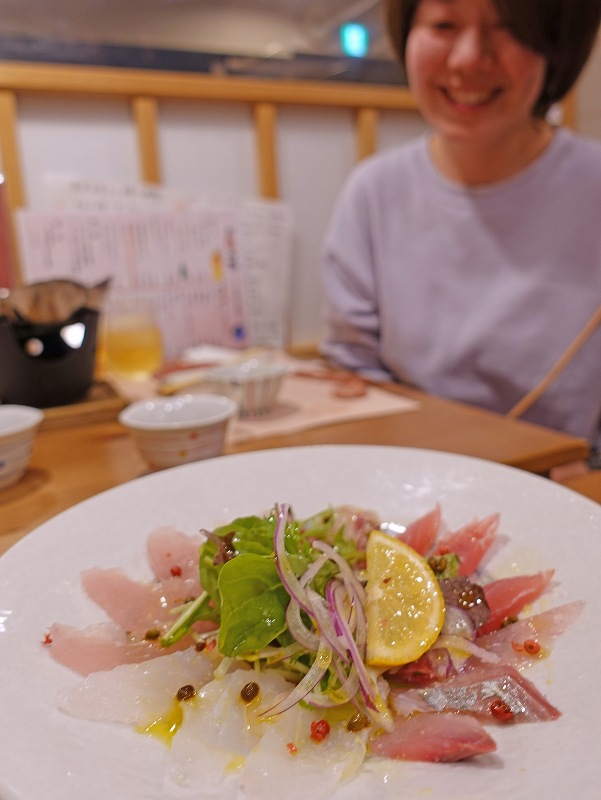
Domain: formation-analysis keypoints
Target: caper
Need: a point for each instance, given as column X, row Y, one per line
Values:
column 249, row 691
column 186, row 692
column 357, row 722
column 437, row 564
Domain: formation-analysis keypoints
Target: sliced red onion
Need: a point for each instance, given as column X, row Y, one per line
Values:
column 356, row 594
column 312, row 570
column 342, row 677
column 310, row 681
column 360, row 627
column 332, row 606
column 298, row 629
column 303, row 635
column 346, row 572
column 285, row 571
column 340, row 619
column 367, row 688
column 465, row 645
column 379, row 713
column 348, row 688
column 457, row 622
column 326, row 624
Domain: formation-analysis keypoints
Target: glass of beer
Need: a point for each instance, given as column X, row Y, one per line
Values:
column 132, row 344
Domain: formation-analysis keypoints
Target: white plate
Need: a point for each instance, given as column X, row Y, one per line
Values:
column 47, row 755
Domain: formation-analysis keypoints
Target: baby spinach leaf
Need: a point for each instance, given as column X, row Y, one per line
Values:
column 253, row 604
column 250, row 534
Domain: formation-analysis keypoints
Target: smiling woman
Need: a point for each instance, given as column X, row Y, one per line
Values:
column 457, row 263
column 477, row 85
column 564, row 34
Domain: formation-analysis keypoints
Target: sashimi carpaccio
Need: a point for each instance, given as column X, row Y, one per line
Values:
column 422, row 533
column 137, row 606
column 173, row 554
column 470, row 543
column 438, row 709
column 507, row 597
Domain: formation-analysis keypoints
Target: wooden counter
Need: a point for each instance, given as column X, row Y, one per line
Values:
column 588, row 484
column 70, row 464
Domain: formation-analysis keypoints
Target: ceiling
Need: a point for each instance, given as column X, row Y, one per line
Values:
column 173, row 23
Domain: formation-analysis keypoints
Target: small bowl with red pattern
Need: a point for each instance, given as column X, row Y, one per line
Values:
column 18, row 427
column 169, row 431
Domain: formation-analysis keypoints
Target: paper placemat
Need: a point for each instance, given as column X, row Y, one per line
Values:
column 303, row 403
column 309, row 402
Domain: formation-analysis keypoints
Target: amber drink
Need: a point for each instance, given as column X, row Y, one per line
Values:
column 132, row 344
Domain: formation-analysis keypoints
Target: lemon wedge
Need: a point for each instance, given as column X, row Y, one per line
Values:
column 405, row 606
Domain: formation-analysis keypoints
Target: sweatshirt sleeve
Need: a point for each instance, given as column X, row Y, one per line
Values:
column 352, row 324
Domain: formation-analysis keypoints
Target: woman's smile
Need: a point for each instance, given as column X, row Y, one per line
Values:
column 470, row 99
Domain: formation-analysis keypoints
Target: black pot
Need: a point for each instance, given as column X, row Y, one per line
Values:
column 49, row 364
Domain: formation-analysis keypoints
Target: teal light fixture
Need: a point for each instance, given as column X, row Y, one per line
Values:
column 354, row 39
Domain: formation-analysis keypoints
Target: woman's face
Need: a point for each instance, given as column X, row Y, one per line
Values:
column 472, row 79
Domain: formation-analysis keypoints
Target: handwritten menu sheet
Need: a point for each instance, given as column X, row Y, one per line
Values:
column 217, row 271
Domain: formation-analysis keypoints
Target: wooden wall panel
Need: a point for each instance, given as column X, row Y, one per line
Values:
column 145, row 113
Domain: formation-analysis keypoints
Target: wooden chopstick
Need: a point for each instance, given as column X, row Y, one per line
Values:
column 541, row 387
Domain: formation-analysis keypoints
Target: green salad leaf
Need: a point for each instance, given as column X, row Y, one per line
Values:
column 253, row 606
column 242, row 590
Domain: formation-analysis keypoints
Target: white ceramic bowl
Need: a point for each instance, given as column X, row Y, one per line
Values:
column 169, row 431
column 18, row 427
column 253, row 385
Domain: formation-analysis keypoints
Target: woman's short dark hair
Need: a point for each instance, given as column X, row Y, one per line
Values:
column 562, row 31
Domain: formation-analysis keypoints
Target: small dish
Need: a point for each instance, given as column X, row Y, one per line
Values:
column 18, row 427
column 254, row 385
column 169, row 431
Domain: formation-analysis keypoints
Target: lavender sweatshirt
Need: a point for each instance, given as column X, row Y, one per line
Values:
column 471, row 293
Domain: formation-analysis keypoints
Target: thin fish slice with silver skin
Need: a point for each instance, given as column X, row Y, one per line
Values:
column 475, row 692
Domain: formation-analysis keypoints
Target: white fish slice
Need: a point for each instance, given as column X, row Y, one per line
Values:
column 136, row 694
